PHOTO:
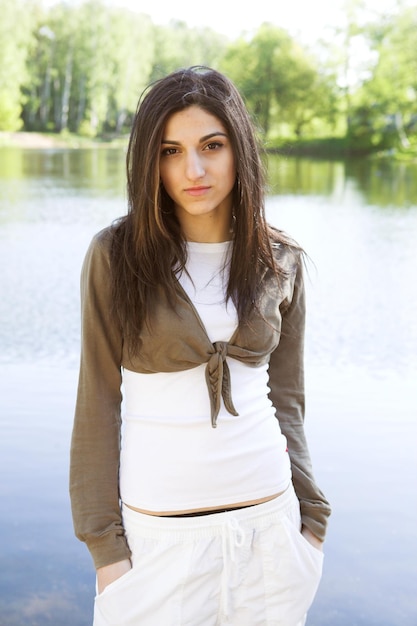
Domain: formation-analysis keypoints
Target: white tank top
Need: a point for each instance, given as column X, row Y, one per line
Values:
column 171, row 457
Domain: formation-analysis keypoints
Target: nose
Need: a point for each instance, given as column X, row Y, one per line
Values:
column 194, row 166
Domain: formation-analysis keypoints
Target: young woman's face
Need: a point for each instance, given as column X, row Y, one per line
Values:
column 197, row 168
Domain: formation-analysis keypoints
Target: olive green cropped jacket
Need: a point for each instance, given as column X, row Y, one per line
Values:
column 177, row 341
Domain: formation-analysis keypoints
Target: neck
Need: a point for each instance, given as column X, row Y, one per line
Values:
column 206, row 230
column 196, row 238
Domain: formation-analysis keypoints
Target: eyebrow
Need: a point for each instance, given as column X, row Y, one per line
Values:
column 201, row 140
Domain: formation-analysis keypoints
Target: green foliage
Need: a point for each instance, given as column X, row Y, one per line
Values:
column 178, row 46
column 15, row 41
column 92, row 63
column 280, row 81
column 262, row 67
column 384, row 114
column 81, row 67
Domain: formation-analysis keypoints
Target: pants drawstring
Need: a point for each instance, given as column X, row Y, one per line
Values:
column 233, row 537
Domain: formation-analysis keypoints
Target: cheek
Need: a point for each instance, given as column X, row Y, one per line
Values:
column 166, row 179
column 230, row 168
column 231, row 175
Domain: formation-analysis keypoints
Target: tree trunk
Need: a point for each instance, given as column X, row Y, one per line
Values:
column 121, row 118
column 66, row 92
column 45, row 104
column 399, row 125
column 81, row 102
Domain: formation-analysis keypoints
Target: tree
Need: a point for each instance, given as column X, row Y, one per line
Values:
column 314, row 98
column 260, row 69
column 15, row 42
column 386, row 105
column 279, row 80
column 89, row 66
column 51, row 69
column 132, row 54
column 178, row 46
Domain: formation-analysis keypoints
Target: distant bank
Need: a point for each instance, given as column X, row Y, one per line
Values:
column 329, row 148
column 46, row 141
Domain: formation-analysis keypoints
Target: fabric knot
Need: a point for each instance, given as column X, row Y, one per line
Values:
column 218, row 381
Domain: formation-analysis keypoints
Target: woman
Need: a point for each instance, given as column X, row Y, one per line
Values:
column 197, row 501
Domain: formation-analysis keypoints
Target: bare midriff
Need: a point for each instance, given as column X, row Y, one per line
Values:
column 222, row 507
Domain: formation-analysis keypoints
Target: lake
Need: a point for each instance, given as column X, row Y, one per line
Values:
column 357, row 220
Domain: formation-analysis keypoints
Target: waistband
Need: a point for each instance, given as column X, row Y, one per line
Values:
column 257, row 516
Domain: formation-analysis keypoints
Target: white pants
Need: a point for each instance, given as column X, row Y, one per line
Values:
column 248, row 567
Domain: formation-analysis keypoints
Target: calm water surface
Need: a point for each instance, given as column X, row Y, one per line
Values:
column 358, row 223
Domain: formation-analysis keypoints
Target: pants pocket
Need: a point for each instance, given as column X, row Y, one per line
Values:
column 110, row 605
column 151, row 592
column 293, row 569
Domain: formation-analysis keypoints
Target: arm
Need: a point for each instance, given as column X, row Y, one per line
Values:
column 95, row 446
column 110, row 573
column 286, row 380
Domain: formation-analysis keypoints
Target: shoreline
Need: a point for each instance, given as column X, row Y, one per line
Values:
column 313, row 149
column 47, row 141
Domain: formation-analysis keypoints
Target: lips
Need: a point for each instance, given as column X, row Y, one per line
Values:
column 197, row 191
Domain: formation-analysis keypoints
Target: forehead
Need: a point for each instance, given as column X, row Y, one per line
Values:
column 192, row 122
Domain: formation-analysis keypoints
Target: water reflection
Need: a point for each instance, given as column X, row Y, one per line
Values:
column 385, row 184
column 304, row 176
column 379, row 183
column 362, row 292
column 358, row 222
column 99, row 169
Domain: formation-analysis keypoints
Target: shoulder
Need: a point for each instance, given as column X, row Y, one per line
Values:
column 288, row 255
column 97, row 258
column 101, row 245
column 103, row 240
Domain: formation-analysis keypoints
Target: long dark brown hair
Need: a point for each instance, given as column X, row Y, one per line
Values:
column 148, row 244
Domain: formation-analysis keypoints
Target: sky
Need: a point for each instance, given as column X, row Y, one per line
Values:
column 308, row 20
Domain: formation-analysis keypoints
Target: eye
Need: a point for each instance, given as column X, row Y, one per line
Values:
column 169, row 151
column 214, row 145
